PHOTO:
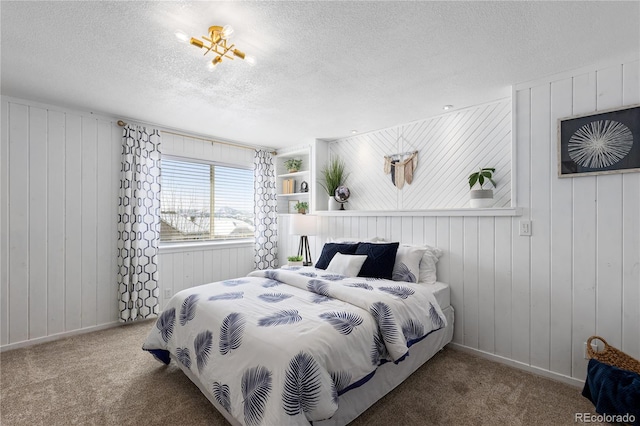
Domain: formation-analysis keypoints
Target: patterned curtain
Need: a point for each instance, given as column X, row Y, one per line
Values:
column 266, row 214
column 139, row 223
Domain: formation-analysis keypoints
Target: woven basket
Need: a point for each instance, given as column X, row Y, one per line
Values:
column 612, row 356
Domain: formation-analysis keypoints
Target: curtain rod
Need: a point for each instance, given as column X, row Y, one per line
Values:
column 122, row 123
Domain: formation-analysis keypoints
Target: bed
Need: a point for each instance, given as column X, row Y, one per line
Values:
column 302, row 345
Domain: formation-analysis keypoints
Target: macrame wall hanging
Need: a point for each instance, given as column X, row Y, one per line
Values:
column 401, row 167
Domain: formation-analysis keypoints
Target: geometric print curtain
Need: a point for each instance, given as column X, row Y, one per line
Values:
column 265, row 211
column 139, row 223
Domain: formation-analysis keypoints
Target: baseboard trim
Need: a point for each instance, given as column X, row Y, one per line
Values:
column 58, row 336
column 520, row 365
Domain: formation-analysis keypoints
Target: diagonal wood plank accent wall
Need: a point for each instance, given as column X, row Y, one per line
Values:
column 450, row 147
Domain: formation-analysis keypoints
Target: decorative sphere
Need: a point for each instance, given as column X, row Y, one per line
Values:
column 342, row 194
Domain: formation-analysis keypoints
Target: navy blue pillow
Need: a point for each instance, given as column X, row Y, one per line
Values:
column 330, row 249
column 380, row 259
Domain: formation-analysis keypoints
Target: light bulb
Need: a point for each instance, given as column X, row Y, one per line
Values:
column 211, row 67
column 227, row 30
column 180, row 35
column 250, row 60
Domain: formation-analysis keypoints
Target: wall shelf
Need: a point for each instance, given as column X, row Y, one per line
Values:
column 294, row 194
column 500, row 211
column 303, row 175
column 294, row 174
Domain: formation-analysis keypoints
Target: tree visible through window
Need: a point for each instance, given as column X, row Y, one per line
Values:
column 203, row 201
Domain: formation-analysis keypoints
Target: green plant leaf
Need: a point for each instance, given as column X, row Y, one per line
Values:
column 481, row 180
column 473, row 179
column 333, row 175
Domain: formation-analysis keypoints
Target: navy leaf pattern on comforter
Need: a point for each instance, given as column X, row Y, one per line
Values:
column 302, row 385
column 272, row 364
column 222, row 395
column 256, row 387
column 188, row 310
column 231, row 332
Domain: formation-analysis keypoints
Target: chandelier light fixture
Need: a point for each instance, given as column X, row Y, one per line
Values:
column 218, row 43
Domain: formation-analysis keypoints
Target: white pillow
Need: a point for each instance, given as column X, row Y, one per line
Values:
column 346, row 264
column 428, row 265
column 407, row 266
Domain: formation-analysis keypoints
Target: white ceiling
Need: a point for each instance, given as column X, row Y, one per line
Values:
column 323, row 68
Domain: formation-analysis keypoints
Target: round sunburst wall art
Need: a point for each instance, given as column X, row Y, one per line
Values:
column 600, row 143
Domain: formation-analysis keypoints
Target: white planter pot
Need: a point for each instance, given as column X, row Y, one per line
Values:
column 481, row 198
column 333, row 204
column 295, row 263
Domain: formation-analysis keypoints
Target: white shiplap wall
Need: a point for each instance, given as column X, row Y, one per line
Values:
column 450, row 147
column 534, row 300
column 59, row 180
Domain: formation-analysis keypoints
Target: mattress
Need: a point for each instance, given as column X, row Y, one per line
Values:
column 442, row 293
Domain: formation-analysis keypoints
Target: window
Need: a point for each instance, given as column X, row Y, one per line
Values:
column 204, row 201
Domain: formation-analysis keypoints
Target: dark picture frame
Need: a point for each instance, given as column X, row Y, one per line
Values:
column 602, row 142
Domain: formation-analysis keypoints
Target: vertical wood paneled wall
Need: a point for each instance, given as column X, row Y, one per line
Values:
column 450, row 147
column 59, row 180
column 584, row 254
column 59, row 184
column 185, row 267
column 535, row 300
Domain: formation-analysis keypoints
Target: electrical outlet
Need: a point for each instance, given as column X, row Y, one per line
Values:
column 594, row 346
column 167, row 293
column 525, row 228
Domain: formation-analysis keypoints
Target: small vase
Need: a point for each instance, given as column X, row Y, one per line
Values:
column 333, row 204
column 481, row 198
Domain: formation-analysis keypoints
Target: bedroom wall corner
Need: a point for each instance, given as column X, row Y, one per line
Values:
column 59, row 211
column 535, row 300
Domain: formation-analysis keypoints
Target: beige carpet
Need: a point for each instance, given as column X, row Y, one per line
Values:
column 104, row 378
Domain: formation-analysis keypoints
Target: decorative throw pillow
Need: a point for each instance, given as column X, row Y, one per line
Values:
column 380, row 259
column 428, row 265
column 330, row 249
column 346, row 264
column 407, row 265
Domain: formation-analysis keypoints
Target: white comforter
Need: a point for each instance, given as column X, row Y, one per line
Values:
column 279, row 346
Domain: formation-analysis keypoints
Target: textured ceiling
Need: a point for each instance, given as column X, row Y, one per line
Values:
column 323, row 68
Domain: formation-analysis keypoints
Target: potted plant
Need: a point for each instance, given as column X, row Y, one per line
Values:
column 333, row 175
column 293, row 164
column 302, row 207
column 294, row 260
column 480, row 197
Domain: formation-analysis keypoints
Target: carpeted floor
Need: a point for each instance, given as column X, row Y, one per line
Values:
column 104, row 378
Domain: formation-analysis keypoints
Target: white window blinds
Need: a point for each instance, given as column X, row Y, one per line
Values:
column 203, row 201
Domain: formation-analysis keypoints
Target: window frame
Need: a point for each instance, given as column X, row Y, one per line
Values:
column 185, row 245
